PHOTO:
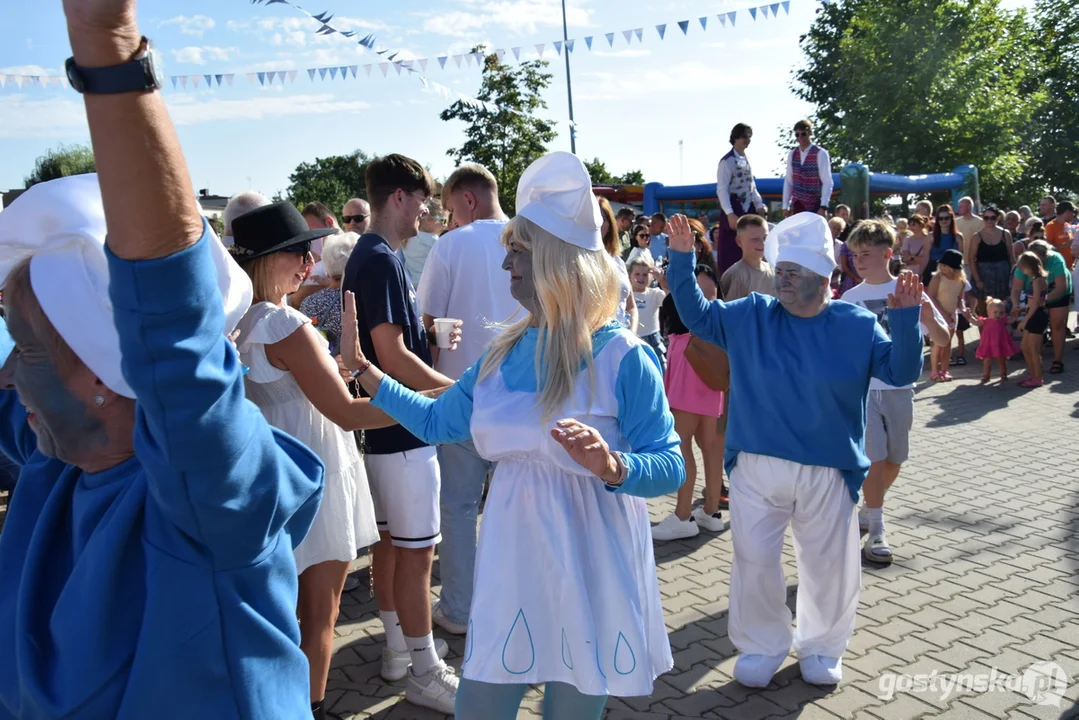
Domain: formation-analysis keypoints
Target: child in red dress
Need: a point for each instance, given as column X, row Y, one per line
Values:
column 996, row 342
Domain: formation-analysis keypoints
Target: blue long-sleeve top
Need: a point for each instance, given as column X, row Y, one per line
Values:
column 163, row 587
column 654, row 464
column 799, row 386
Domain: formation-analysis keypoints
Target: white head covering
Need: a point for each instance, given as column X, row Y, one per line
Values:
column 803, row 239
column 61, row 225
column 555, row 192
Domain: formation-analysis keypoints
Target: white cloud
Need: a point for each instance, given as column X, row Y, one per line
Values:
column 195, row 25
column 627, row 52
column 23, row 117
column 200, row 55
column 689, row 76
column 29, row 70
column 523, row 16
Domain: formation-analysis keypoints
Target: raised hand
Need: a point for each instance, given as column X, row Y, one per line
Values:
column 587, row 447
column 352, row 356
column 908, row 291
column 679, row 236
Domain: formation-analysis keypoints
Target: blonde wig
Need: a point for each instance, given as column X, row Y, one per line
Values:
column 576, row 293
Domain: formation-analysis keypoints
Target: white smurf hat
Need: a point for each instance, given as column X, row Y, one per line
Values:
column 803, row 239
column 555, row 192
column 61, row 226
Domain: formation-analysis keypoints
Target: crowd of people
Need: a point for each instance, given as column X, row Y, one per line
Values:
column 208, row 432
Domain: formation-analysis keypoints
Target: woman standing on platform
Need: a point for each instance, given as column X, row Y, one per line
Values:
column 737, row 192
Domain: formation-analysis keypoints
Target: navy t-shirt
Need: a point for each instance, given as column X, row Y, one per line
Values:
column 377, row 277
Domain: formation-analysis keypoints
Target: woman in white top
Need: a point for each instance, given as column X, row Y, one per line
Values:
column 298, row 387
column 641, row 239
column 626, row 313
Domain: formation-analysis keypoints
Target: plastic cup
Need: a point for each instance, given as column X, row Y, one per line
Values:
column 443, row 328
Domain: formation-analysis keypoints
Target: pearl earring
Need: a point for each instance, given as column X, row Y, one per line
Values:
column 99, row 400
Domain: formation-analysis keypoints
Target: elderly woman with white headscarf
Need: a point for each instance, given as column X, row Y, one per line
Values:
column 565, row 586
column 147, row 555
column 796, row 439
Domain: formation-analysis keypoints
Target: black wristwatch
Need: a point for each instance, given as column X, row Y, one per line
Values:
column 142, row 73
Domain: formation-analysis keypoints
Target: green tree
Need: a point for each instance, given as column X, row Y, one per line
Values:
column 1054, row 141
column 923, row 86
column 332, row 180
column 504, row 141
column 601, row 176
column 62, row 162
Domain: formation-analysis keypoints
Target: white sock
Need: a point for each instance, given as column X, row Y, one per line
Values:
column 395, row 637
column 422, row 651
column 876, row 520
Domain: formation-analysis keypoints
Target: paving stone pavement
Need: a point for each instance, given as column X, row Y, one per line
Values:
column 984, row 521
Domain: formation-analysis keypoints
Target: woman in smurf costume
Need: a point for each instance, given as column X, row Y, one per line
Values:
column 566, row 591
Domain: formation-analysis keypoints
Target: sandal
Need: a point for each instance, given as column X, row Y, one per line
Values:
column 957, row 361
column 1056, row 368
column 1032, row 383
column 985, row 379
column 946, row 376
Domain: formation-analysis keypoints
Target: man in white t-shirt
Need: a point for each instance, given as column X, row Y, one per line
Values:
column 464, row 279
column 890, row 410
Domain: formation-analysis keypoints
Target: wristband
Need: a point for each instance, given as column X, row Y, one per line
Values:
column 356, row 373
column 623, row 471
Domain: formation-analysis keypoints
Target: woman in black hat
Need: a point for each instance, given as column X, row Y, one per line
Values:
column 297, row 385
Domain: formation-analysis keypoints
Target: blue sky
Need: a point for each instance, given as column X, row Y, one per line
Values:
column 633, row 102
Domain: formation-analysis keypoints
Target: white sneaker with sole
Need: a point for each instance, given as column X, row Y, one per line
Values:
column 671, row 528
column 436, row 690
column 395, row 665
column 712, row 523
column 756, row 671
column 821, row 669
column 440, row 618
column 876, row 550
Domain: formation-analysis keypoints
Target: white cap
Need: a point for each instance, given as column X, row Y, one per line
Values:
column 803, row 239
column 555, row 192
column 61, row 225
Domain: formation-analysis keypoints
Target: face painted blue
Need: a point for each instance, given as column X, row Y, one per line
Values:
column 63, row 424
column 799, row 289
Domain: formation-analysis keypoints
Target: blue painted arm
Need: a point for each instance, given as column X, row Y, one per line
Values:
column 437, row 422
column 217, row 470
column 704, row 319
column 655, row 462
column 898, row 360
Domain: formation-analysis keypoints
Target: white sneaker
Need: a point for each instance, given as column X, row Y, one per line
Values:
column 436, row 690
column 671, row 528
column 395, row 665
column 821, row 669
column 712, row 523
column 863, row 519
column 756, row 671
column 876, row 550
column 440, row 618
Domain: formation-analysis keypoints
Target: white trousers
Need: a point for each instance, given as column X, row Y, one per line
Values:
column 767, row 495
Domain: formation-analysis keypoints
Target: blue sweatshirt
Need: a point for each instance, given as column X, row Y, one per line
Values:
column 799, row 386
column 164, row 587
column 655, row 464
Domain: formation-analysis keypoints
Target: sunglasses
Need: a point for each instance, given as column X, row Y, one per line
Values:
column 643, row 235
column 300, row 249
column 989, row 218
column 801, row 133
column 349, row 219
column 944, row 218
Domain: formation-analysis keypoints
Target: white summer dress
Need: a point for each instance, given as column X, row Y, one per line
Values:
column 346, row 517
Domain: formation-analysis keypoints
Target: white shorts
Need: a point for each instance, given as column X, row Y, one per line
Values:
column 889, row 419
column 405, row 489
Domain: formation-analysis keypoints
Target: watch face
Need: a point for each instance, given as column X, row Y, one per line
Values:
column 155, row 74
column 73, row 76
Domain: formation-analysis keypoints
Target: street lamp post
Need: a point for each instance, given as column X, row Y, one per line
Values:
column 569, row 83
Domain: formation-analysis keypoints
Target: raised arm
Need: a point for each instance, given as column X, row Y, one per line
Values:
column 898, row 360
column 703, row 318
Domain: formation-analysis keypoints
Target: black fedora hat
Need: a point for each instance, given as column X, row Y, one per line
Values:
column 270, row 229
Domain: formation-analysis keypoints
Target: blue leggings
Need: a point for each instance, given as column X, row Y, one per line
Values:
column 488, row 701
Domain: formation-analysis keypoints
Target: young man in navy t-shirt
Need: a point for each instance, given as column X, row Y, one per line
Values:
column 402, row 470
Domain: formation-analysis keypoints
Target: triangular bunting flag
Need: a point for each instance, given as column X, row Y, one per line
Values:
column 517, row 53
column 610, row 39
column 639, row 32
column 344, row 72
column 704, row 22
column 628, row 35
column 367, row 69
column 423, row 64
column 311, row 74
column 786, row 6
column 557, row 46
column 18, row 80
column 588, row 42
column 764, row 10
column 753, row 13
column 353, row 69
column 209, row 80
column 732, row 15
column 661, row 29
column 468, row 59
column 262, row 78
column 173, row 78
column 457, row 59
column 569, row 45
column 441, row 61
column 333, row 74
column 397, row 67
column 479, row 58
column 183, row 82
column 229, row 77
column 384, row 67
column 683, row 25
column 539, row 49
column 219, row 78
column 322, row 72
column 722, row 19
column 775, row 9
column 270, row 77
column 500, row 54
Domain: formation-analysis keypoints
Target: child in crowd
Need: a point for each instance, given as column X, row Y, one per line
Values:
column 996, row 341
column 947, row 289
column 751, row 273
column 916, row 244
column 649, row 300
column 890, row 409
column 1036, row 321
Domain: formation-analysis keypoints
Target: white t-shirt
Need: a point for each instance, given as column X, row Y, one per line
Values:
column 874, row 298
column 416, row 251
column 464, row 279
column 648, row 303
column 637, row 252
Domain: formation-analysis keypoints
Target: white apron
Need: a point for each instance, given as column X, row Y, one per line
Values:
column 565, row 586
